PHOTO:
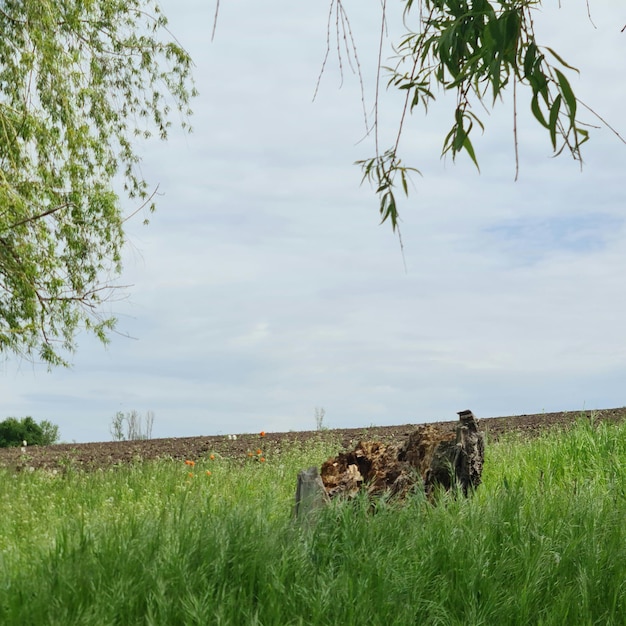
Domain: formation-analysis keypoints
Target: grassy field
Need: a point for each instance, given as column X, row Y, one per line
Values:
column 543, row 541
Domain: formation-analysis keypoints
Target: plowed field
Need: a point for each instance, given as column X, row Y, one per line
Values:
column 103, row 454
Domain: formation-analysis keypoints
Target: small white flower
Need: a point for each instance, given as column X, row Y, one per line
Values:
column 24, row 443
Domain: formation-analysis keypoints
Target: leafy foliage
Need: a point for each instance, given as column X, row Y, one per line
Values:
column 476, row 49
column 79, row 82
column 13, row 432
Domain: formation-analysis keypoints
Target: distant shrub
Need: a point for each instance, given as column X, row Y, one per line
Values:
column 14, row 431
column 320, row 413
column 132, row 426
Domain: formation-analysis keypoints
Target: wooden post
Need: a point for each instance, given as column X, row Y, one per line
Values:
column 470, row 445
column 310, row 493
column 460, row 460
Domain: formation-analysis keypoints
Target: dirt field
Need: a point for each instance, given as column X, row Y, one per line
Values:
column 103, row 454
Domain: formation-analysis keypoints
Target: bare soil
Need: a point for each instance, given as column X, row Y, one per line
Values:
column 111, row 453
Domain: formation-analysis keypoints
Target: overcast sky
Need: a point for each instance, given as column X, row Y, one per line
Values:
column 264, row 286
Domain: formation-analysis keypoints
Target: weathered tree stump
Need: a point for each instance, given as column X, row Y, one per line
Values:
column 460, row 460
column 426, row 459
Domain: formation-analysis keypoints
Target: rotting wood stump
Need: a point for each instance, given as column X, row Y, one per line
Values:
column 426, row 459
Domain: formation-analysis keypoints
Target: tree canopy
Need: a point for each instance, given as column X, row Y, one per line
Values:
column 80, row 82
column 14, row 432
column 475, row 50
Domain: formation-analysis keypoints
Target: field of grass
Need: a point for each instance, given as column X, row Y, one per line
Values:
column 543, row 541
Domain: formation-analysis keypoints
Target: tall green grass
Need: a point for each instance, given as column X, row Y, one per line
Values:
column 541, row 542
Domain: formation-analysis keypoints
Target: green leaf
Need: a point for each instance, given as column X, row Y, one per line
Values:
column 568, row 95
column 561, row 60
column 529, row 60
column 388, row 210
column 469, row 148
column 536, row 109
column 554, row 118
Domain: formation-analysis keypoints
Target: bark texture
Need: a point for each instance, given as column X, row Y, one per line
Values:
column 426, row 459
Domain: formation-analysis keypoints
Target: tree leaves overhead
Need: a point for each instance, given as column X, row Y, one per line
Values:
column 476, row 49
column 80, row 80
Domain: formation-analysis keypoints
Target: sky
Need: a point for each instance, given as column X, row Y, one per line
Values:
column 264, row 286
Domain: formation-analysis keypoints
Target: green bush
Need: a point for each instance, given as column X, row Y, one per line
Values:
column 13, row 432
